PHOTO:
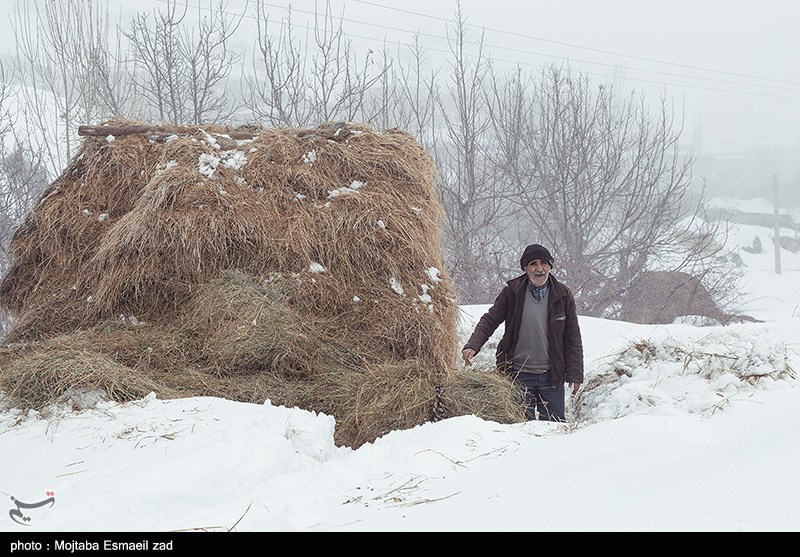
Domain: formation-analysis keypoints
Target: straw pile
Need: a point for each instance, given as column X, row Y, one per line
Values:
column 302, row 266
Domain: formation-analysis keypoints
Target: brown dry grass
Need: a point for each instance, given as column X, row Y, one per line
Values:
column 489, row 395
column 248, row 326
column 216, row 267
column 42, row 378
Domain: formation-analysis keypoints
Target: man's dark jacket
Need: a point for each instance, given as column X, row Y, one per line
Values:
column 564, row 342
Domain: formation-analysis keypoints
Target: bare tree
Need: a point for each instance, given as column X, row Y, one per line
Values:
column 338, row 84
column 471, row 192
column 297, row 83
column 406, row 94
column 383, row 106
column 605, row 184
column 59, row 45
column 182, row 71
column 6, row 205
column 103, row 86
column 22, row 177
column 6, row 92
column 111, row 76
column 416, row 97
column 210, row 62
column 276, row 91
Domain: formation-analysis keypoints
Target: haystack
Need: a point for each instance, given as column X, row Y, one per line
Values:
column 306, row 264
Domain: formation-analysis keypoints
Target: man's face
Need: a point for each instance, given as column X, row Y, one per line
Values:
column 538, row 271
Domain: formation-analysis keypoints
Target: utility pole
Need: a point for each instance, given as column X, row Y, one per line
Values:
column 777, row 225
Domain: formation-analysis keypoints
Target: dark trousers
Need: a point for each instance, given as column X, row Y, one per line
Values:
column 541, row 398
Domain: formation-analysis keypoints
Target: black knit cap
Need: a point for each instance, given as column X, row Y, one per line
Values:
column 535, row 251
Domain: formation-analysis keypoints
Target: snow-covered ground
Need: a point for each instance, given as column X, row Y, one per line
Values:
column 699, row 433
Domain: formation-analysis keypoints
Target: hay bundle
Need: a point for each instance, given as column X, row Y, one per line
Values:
column 52, row 248
column 348, row 214
column 303, row 266
column 366, row 404
column 39, row 379
column 379, row 318
column 489, row 395
column 146, row 348
column 371, row 404
column 248, row 327
column 183, row 231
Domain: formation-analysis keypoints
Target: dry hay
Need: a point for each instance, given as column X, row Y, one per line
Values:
column 52, row 249
column 369, row 405
column 366, row 404
column 36, row 321
column 181, row 232
column 178, row 213
column 368, row 401
column 384, row 326
column 39, row 379
column 239, row 339
column 159, row 357
column 300, row 266
column 142, row 347
column 489, row 395
column 248, row 327
column 257, row 388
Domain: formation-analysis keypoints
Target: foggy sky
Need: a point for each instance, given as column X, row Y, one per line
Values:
column 728, row 65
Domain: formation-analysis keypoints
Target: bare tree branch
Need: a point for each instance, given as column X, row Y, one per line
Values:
column 183, row 71
column 472, row 195
column 603, row 181
column 305, row 84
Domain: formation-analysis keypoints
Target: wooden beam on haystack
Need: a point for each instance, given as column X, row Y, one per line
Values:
column 157, row 132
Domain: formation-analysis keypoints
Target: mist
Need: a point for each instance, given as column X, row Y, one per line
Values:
column 669, row 107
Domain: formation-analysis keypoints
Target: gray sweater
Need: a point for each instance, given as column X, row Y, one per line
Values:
column 531, row 354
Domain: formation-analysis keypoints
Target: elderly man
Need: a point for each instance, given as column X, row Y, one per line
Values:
column 541, row 347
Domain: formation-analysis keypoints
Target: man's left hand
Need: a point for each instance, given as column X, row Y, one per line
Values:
column 574, row 387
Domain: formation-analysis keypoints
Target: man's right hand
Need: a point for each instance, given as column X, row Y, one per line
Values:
column 468, row 354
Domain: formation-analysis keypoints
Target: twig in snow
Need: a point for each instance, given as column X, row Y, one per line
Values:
column 241, row 517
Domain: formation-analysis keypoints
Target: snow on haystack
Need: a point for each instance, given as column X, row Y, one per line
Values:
column 354, row 186
column 433, row 272
column 396, row 286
